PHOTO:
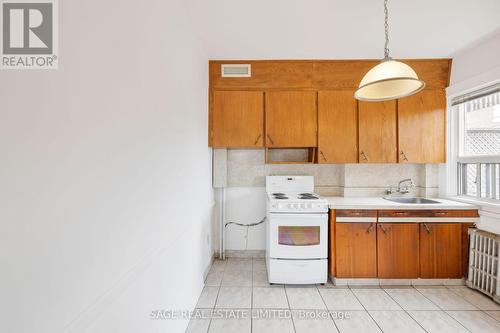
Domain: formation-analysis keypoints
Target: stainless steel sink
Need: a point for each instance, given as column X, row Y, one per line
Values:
column 412, row 200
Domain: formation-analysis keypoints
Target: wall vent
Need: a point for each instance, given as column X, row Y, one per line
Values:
column 236, row 70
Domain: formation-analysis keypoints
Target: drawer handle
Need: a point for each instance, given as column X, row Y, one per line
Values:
column 400, row 213
column 370, row 228
column 270, row 139
column 427, row 228
column 382, row 228
column 441, row 213
column 257, row 140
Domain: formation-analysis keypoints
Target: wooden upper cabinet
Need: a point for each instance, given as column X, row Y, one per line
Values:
column 337, row 127
column 422, row 127
column 398, row 250
column 291, row 119
column 441, row 250
column 238, row 119
column 377, row 132
column 356, row 250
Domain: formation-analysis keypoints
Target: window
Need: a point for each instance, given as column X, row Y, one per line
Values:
column 478, row 156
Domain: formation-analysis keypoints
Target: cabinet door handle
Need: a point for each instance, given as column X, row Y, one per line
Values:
column 365, row 158
column 383, row 230
column 323, row 155
column 403, row 155
column 270, row 139
column 257, row 140
column 370, row 228
column 427, row 228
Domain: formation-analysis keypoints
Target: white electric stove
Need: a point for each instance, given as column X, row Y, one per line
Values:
column 297, row 231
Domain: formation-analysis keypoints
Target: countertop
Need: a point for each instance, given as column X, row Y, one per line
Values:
column 380, row 203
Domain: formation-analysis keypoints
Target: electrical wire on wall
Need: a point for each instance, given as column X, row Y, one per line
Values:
column 247, row 226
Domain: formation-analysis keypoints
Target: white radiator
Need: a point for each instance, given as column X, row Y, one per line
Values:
column 484, row 271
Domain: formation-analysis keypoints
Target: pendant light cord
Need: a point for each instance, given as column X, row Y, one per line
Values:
column 386, row 25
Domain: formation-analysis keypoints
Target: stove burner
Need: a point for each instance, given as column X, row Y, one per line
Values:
column 307, row 196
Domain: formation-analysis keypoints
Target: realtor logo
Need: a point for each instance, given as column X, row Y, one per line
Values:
column 29, row 34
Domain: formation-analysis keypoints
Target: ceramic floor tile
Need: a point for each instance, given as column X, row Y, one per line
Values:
column 218, row 265
column 272, row 325
column 304, row 298
column 237, row 278
column 437, row 322
column 214, row 279
column 476, row 298
column 236, row 264
column 395, row 322
column 494, row 314
column 476, row 321
column 269, row 298
column 259, row 265
column 375, row 299
column 200, row 321
column 231, row 323
column 446, row 299
column 313, row 321
column 411, row 299
column 340, row 299
column 356, row 321
column 234, row 297
column 208, row 297
column 260, row 279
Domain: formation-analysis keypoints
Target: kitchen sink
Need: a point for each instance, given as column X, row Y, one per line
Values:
column 412, row 200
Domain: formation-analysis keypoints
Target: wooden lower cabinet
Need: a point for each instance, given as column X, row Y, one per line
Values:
column 398, row 250
column 441, row 250
column 356, row 250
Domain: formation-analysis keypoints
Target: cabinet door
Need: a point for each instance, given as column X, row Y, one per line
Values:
column 238, row 119
column 291, row 119
column 377, row 132
column 356, row 250
column 441, row 250
column 422, row 127
column 337, row 127
column 398, row 254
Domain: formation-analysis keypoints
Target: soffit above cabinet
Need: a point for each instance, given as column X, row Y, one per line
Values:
column 319, row 74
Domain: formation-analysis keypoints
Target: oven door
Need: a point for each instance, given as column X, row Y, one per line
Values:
column 298, row 236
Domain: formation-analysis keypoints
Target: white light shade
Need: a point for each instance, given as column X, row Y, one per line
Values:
column 388, row 80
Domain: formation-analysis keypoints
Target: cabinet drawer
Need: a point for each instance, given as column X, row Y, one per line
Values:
column 355, row 213
column 428, row 213
column 356, row 216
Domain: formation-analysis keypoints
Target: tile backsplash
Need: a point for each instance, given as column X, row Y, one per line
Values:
column 247, row 168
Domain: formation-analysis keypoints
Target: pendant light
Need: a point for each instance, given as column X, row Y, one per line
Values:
column 390, row 79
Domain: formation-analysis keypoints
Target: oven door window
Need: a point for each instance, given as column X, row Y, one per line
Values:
column 298, row 235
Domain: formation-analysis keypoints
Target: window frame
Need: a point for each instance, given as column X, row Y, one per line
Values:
column 453, row 130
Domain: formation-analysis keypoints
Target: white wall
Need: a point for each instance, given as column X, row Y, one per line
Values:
column 474, row 65
column 105, row 190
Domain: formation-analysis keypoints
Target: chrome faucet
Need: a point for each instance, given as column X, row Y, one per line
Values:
column 402, row 189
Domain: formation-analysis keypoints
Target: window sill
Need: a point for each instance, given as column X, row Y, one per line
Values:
column 484, row 204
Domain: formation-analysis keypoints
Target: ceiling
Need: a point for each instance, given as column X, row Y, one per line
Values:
column 335, row 29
